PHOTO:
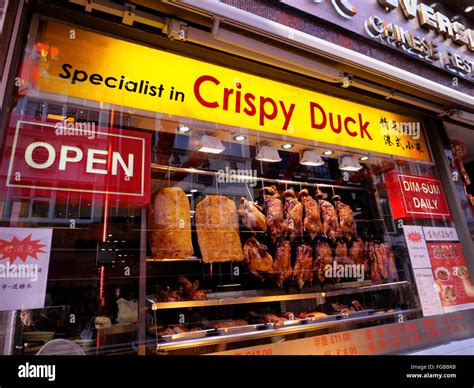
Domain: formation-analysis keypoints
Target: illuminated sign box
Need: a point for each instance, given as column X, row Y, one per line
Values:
column 416, row 196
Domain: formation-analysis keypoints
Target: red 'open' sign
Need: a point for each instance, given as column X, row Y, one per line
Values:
column 77, row 160
column 416, row 196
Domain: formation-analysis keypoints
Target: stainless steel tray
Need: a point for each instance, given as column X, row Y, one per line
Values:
column 327, row 318
column 242, row 329
column 186, row 336
column 355, row 314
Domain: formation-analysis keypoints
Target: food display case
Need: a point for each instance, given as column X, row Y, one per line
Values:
column 268, row 251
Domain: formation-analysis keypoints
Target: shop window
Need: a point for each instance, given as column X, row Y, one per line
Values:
column 40, row 209
column 232, row 230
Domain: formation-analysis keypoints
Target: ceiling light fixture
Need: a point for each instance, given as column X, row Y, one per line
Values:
column 363, row 158
column 268, row 154
column 183, row 128
column 328, row 152
column 287, row 146
column 193, row 190
column 311, row 158
column 211, row 145
column 349, row 163
column 469, row 9
column 240, row 138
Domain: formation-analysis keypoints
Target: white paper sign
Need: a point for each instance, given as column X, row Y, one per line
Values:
column 24, row 262
column 429, row 297
column 440, row 234
column 417, row 246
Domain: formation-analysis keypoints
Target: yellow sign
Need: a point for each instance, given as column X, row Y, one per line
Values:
column 101, row 68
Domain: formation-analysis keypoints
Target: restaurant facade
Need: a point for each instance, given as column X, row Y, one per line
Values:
column 235, row 177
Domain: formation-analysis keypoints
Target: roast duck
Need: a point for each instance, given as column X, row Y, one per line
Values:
column 342, row 255
column 303, row 271
column 267, row 318
column 357, row 252
column 257, row 258
column 273, row 206
column 252, row 216
column 346, row 220
column 293, row 213
column 382, row 263
column 282, row 264
column 347, row 309
column 359, row 255
column 312, row 214
column 323, row 258
column 331, row 228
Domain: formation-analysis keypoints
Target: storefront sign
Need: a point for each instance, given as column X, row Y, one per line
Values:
column 420, row 261
column 450, row 272
column 416, row 196
column 159, row 81
column 416, row 246
column 440, row 234
column 427, row 292
column 24, row 261
column 406, row 25
column 395, row 338
column 80, row 161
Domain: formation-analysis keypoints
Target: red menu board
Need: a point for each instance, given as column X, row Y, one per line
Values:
column 416, row 196
column 449, row 271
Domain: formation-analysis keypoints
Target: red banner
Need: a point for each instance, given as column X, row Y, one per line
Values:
column 416, row 196
column 76, row 160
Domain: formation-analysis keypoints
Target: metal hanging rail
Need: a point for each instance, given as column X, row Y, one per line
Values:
column 155, row 166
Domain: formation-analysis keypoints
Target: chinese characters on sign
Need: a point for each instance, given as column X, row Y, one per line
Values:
column 449, row 269
column 420, row 260
column 397, row 337
column 416, row 246
column 24, row 262
column 439, row 268
column 440, row 234
column 411, row 26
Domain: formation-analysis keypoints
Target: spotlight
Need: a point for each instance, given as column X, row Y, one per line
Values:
column 183, row 128
column 240, row 138
column 311, row 158
column 211, row 145
column 328, row 152
column 268, row 154
column 349, row 163
column 287, row 146
column 364, row 158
